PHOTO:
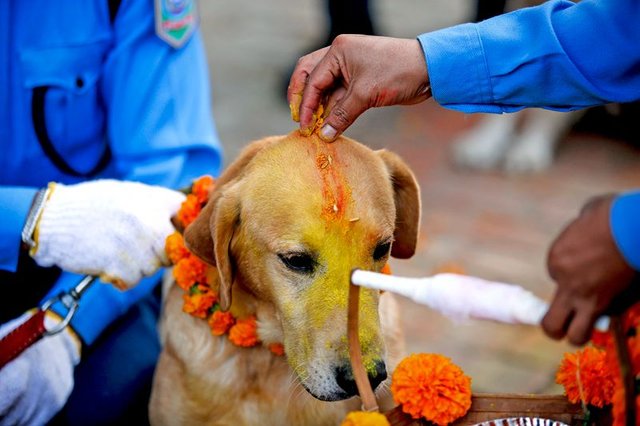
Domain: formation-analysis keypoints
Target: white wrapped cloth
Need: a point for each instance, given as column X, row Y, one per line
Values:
column 462, row 297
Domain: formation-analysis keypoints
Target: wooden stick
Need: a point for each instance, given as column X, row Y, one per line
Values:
column 367, row 396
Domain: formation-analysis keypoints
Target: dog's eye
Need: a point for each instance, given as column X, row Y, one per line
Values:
column 381, row 251
column 299, row 262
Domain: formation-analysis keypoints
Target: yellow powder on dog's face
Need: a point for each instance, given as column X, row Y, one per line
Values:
column 342, row 244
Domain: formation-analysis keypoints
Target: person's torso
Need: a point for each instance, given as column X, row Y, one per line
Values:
column 51, row 57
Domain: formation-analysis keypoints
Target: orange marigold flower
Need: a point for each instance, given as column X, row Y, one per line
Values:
column 198, row 302
column 633, row 343
column 585, row 374
column 202, row 187
column 244, row 332
column 277, row 348
column 363, row 418
column 619, row 407
column 220, row 322
column 386, row 269
column 431, row 386
column 189, row 210
column 175, row 249
column 189, row 271
column 602, row 339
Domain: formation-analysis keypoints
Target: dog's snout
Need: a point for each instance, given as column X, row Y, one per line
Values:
column 347, row 382
column 378, row 375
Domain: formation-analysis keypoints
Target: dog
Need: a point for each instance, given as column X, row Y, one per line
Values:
column 285, row 225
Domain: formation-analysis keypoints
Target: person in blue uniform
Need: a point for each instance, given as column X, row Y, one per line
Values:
column 560, row 55
column 105, row 105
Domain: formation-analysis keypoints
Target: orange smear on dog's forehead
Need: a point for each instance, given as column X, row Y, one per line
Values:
column 336, row 193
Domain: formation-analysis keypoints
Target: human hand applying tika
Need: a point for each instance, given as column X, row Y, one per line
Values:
column 352, row 75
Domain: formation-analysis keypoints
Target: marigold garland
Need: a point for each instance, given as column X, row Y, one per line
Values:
column 220, row 322
column 243, row 332
column 277, row 348
column 364, row 418
column 189, row 210
column 587, row 377
column 431, row 386
column 194, row 277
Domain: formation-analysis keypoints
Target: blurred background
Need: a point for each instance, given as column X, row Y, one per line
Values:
column 488, row 223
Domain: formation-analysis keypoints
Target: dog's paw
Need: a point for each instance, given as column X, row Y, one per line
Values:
column 484, row 146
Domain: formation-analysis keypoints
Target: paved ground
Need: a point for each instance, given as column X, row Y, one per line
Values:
column 489, row 224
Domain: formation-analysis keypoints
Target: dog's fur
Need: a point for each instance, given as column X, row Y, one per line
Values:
column 284, row 201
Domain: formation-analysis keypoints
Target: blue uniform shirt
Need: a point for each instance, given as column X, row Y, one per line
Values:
column 560, row 55
column 69, row 74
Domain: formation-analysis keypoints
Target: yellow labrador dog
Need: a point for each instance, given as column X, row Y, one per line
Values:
column 286, row 224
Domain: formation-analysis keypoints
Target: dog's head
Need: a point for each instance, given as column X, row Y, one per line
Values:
column 288, row 222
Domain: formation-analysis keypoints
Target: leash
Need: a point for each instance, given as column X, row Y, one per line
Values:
column 34, row 329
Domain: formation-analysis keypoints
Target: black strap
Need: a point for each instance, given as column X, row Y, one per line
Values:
column 40, row 127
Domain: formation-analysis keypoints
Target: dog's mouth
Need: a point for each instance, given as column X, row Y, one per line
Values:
column 329, row 397
column 343, row 385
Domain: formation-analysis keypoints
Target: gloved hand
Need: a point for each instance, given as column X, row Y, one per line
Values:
column 113, row 229
column 37, row 384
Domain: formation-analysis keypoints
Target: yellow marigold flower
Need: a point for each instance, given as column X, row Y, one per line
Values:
column 363, row 418
column 189, row 271
column 585, row 374
column 202, row 187
column 244, row 332
column 220, row 322
column 431, row 386
column 175, row 249
column 189, row 210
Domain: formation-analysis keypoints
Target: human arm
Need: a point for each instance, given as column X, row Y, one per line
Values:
column 160, row 125
column 594, row 260
column 559, row 55
column 15, row 203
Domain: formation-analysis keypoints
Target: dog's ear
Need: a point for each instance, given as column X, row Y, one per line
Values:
column 407, row 201
column 210, row 234
column 209, row 237
column 223, row 224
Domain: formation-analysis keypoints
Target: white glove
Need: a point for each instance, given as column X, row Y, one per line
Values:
column 113, row 229
column 37, row 384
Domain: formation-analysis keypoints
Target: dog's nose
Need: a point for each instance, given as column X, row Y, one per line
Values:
column 346, row 380
column 378, row 375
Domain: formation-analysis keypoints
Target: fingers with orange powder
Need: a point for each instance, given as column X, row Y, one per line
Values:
column 352, row 75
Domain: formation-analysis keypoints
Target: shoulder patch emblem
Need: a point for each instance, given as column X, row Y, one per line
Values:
column 176, row 20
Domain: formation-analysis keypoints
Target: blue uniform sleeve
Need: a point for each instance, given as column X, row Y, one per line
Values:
column 560, row 55
column 15, row 203
column 625, row 226
column 160, row 131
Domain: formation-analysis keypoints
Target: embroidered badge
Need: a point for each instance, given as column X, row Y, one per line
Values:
column 176, row 20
